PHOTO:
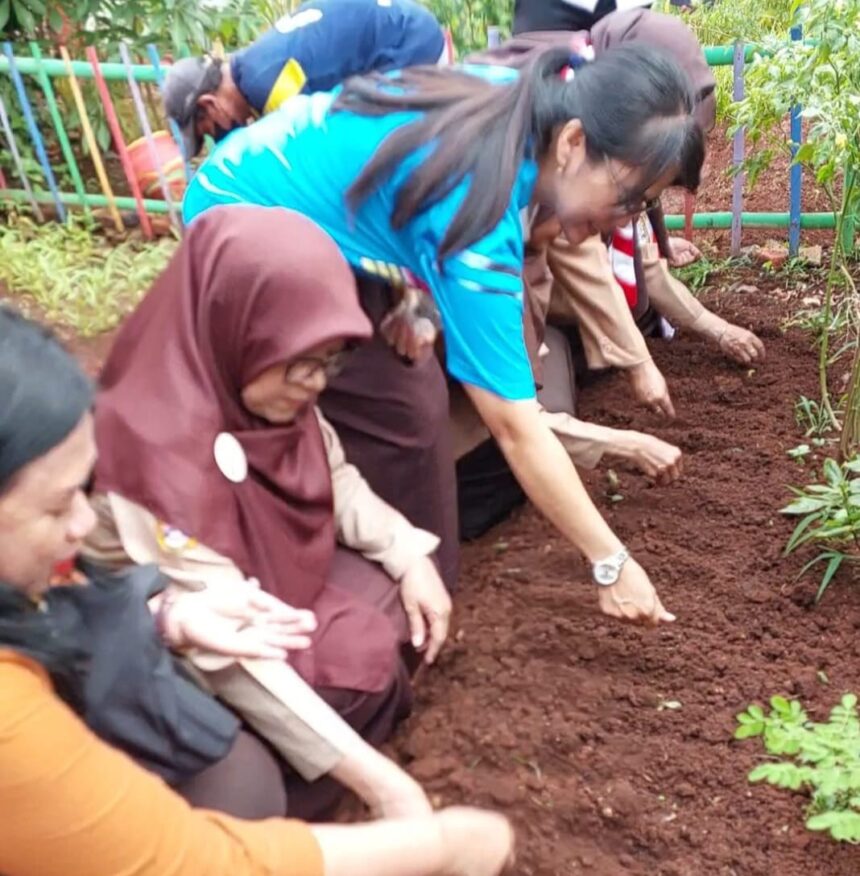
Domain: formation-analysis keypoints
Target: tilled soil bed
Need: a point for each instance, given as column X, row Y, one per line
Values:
column 610, row 746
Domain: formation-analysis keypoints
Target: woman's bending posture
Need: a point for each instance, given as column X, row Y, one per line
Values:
column 605, row 297
column 429, row 177
column 215, row 464
column 73, row 806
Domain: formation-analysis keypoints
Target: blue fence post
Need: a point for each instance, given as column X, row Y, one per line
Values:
column 9, row 134
column 33, row 128
column 738, row 149
column 155, row 60
column 795, row 180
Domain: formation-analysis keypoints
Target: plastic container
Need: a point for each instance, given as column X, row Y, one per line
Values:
column 169, row 160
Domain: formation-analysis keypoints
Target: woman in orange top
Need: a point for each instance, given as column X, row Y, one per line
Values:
column 71, row 805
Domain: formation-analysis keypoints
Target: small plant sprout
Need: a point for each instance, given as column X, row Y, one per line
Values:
column 821, row 759
column 830, row 519
column 800, row 452
column 811, row 417
column 613, row 487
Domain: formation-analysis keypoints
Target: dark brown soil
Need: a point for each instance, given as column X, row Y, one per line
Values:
column 558, row 717
column 770, row 194
column 611, row 747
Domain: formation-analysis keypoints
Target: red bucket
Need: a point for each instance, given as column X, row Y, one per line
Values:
column 169, row 162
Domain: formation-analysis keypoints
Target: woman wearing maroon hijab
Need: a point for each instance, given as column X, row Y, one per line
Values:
column 215, row 464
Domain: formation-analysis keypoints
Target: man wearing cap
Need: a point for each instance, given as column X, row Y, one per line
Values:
column 314, row 49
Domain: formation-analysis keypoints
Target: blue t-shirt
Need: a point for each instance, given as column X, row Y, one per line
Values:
column 334, row 39
column 305, row 158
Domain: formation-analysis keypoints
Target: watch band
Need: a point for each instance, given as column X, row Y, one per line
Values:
column 606, row 572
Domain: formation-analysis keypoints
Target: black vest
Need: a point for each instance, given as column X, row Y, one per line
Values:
column 136, row 695
column 532, row 15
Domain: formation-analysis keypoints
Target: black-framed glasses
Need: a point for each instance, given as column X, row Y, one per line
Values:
column 637, row 205
column 305, row 367
column 631, row 202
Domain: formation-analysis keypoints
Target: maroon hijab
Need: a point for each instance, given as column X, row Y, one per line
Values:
column 248, row 288
column 673, row 36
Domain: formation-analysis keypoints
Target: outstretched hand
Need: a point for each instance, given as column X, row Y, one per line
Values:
column 428, row 607
column 655, row 458
column 650, row 388
column 682, row 252
column 239, row 622
column 633, row 598
column 741, row 345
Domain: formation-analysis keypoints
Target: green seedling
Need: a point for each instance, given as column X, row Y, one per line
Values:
column 821, row 759
column 830, row 519
column 75, row 275
column 800, row 452
column 811, row 417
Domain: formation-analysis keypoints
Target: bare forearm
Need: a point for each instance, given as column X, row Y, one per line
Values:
column 386, row 788
column 551, row 481
column 411, row 847
column 546, row 473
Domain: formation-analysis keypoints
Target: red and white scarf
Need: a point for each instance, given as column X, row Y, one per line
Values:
column 621, row 250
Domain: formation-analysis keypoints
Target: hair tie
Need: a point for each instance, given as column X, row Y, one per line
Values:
column 576, row 60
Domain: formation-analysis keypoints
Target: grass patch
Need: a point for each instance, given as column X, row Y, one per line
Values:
column 77, row 277
column 698, row 275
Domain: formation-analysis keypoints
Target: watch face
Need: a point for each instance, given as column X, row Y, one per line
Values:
column 605, row 574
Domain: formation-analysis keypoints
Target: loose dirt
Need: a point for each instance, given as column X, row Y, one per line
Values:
column 769, row 195
column 611, row 747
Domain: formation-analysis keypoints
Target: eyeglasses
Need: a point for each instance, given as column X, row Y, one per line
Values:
column 630, row 203
column 634, row 205
column 306, row 367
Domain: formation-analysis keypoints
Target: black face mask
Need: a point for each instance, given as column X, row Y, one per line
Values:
column 220, row 133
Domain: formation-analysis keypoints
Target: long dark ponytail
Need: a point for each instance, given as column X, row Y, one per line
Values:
column 634, row 104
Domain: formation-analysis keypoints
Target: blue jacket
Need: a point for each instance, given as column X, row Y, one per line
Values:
column 326, row 41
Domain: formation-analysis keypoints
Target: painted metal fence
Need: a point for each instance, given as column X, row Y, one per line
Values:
column 34, row 77
column 36, row 80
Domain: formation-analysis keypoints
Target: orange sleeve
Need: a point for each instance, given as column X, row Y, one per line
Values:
column 73, row 806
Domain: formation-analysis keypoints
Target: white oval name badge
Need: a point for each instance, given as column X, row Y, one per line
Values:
column 230, row 457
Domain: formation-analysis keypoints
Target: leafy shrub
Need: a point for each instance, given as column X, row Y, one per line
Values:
column 723, row 22
column 469, row 20
column 75, row 275
column 823, row 759
column 830, row 519
column 823, row 76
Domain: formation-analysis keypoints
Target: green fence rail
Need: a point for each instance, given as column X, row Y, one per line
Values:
column 38, row 101
column 55, row 68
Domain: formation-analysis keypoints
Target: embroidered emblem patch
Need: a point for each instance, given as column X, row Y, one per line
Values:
column 171, row 539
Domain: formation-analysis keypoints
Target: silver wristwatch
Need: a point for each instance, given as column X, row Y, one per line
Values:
column 607, row 572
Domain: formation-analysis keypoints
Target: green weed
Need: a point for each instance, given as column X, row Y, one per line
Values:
column 75, row 275
column 697, row 275
column 823, row 759
column 830, row 519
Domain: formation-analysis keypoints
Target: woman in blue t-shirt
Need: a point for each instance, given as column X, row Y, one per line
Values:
column 429, row 180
